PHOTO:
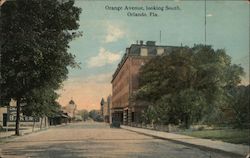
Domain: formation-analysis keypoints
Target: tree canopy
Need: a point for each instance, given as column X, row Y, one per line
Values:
column 187, row 84
column 34, row 48
column 238, row 110
column 84, row 114
column 41, row 102
column 95, row 115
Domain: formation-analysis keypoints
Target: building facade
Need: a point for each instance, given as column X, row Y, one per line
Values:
column 70, row 109
column 125, row 80
column 105, row 109
column 8, row 117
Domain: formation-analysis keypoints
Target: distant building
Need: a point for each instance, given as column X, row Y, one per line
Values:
column 125, row 80
column 3, row 116
column 71, row 109
column 8, row 116
column 109, row 102
column 105, row 109
column 59, row 118
column 102, row 104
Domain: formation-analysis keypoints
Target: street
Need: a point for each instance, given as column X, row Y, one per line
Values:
column 91, row 139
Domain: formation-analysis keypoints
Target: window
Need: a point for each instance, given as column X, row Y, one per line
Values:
column 144, row 52
column 160, row 51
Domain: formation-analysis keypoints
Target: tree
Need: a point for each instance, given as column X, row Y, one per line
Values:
column 150, row 114
column 39, row 103
column 95, row 115
column 187, row 84
column 36, row 36
column 84, row 114
column 239, row 106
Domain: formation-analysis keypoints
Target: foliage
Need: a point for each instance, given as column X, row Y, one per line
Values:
column 187, row 84
column 84, row 114
column 35, row 40
column 41, row 102
column 95, row 115
column 240, row 106
column 150, row 114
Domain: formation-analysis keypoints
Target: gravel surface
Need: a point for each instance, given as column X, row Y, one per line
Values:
column 97, row 140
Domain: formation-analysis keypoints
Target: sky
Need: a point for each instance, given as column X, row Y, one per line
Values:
column 108, row 30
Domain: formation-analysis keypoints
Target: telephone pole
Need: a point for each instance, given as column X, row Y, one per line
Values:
column 160, row 36
column 205, row 31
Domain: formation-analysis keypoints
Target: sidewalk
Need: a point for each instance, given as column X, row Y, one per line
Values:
column 23, row 131
column 203, row 143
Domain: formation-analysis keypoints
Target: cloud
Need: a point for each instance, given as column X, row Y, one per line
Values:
column 100, row 78
column 209, row 15
column 104, row 57
column 113, row 33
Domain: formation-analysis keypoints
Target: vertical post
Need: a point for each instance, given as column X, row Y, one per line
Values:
column 8, row 115
column 45, row 123
column 160, row 36
column 41, row 123
column 205, row 22
column 18, row 107
column 33, row 127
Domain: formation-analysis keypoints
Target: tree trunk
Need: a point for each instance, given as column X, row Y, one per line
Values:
column 41, row 123
column 187, row 121
column 33, row 124
column 45, row 122
column 18, row 107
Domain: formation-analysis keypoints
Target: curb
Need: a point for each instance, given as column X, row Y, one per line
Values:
column 202, row 147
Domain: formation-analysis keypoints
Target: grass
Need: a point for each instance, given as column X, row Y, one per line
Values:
column 235, row 136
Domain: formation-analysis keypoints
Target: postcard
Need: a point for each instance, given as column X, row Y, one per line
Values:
column 124, row 79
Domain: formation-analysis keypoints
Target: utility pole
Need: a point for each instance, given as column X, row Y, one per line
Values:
column 160, row 36
column 205, row 31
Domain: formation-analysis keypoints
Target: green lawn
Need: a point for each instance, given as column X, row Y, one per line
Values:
column 229, row 135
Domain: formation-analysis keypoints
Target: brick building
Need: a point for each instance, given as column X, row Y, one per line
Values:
column 125, row 80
